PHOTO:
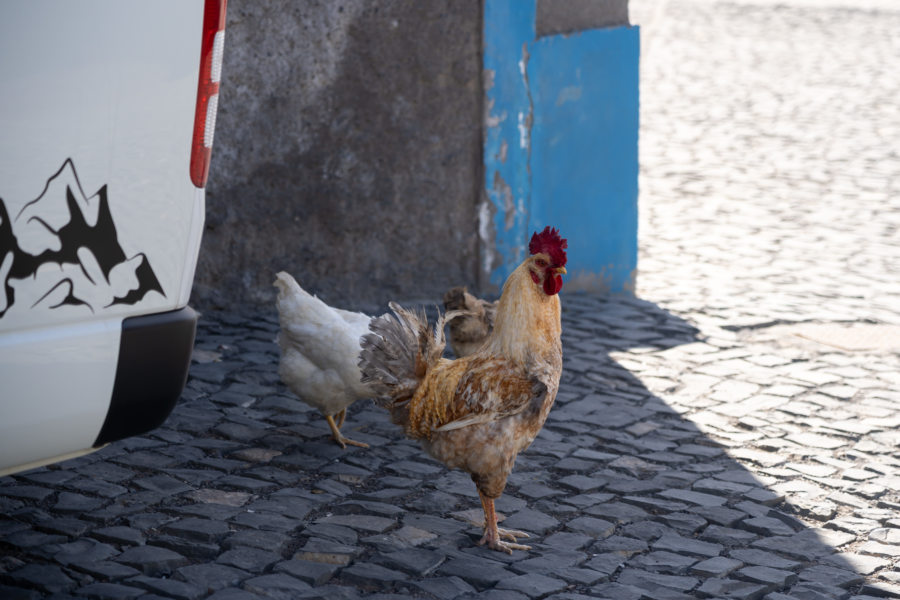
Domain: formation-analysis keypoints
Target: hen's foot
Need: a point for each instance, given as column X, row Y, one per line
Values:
column 343, row 441
column 339, row 438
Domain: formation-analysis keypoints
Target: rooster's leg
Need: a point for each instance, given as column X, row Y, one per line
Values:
column 340, row 418
column 492, row 533
column 340, row 439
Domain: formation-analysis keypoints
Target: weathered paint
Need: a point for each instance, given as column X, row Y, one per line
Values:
column 561, row 134
column 508, row 31
column 584, row 151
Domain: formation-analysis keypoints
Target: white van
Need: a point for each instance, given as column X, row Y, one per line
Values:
column 107, row 113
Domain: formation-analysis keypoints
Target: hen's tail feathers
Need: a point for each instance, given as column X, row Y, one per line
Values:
column 399, row 351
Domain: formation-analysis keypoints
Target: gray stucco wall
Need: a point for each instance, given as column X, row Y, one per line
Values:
column 347, row 152
column 568, row 16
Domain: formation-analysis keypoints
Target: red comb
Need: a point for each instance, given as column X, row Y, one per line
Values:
column 549, row 242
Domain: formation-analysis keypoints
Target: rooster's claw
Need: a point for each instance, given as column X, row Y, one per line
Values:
column 492, row 538
column 511, row 534
column 495, row 544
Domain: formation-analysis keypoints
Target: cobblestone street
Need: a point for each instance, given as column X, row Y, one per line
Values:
column 734, row 432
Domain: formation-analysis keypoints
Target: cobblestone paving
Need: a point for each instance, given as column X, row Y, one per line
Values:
column 728, row 435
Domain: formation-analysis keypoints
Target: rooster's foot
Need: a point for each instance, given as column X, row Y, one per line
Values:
column 493, row 534
column 511, row 534
column 492, row 540
column 338, row 437
column 506, row 534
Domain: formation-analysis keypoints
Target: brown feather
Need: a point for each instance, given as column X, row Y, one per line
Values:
column 478, row 412
column 475, row 323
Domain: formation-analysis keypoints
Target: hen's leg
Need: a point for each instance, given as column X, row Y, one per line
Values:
column 340, row 439
column 340, row 418
column 492, row 533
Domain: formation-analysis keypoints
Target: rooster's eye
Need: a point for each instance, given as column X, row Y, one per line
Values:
column 541, row 263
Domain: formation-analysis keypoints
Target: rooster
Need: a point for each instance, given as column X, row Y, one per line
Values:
column 477, row 413
column 319, row 353
column 469, row 330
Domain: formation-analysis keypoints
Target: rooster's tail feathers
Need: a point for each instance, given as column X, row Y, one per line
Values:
column 388, row 356
column 399, row 351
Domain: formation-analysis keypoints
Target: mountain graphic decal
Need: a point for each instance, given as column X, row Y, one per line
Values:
column 62, row 248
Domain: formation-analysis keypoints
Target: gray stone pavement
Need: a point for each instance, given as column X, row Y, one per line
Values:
column 733, row 433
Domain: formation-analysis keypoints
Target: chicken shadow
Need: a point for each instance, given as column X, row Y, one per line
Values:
column 626, row 497
column 683, row 518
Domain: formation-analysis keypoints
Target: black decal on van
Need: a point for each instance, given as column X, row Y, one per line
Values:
column 65, row 226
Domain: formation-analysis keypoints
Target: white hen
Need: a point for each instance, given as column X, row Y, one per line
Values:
column 319, row 353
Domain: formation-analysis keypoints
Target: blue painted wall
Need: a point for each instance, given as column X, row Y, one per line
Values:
column 584, row 159
column 562, row 132
column 509, row 29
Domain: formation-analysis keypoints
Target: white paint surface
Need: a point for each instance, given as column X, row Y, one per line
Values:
column 108, row 87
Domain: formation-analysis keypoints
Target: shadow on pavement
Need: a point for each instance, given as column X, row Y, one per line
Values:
column 241, row 494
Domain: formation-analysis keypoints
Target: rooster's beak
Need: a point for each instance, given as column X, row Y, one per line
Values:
column 560, row 270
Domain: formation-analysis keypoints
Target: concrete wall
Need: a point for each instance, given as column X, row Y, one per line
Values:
column 351, row 142
column 347, row 151
column 570, row 16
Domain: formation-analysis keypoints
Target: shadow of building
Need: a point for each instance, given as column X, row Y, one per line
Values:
column 624, row 496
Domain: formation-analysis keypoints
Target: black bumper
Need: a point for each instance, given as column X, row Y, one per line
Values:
column 154, row 356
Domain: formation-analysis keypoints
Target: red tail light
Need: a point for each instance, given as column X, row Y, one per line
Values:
column 208, row 89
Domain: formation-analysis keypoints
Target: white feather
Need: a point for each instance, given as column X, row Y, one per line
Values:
column 319, row 348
